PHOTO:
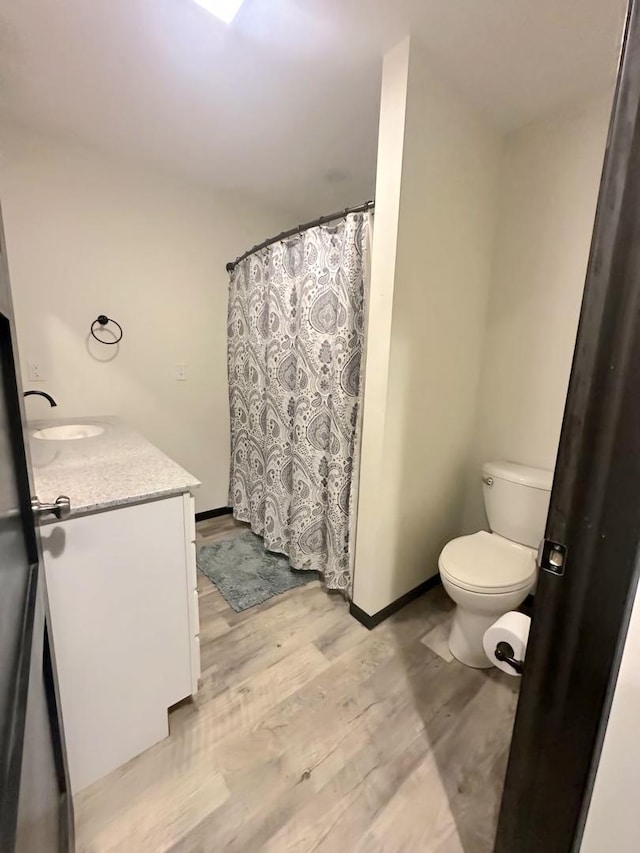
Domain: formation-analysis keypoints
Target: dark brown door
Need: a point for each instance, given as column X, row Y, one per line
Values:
column 35, row 807
column 580, row 615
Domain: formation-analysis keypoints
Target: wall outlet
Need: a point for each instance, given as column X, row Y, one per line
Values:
column 35, row 371
column 180, row 372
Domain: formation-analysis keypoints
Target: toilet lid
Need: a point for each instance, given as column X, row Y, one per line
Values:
column 485, row 562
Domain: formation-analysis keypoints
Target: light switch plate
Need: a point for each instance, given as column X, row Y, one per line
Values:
column 35, row 371
column 181, row 372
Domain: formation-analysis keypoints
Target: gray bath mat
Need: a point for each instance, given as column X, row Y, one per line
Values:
column 245, row 573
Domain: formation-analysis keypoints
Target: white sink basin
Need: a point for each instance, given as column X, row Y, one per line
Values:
column 68, row 432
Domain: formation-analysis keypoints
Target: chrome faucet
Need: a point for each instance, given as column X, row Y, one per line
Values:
column 44, row 394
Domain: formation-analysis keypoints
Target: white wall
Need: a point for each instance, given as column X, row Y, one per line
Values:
column 549, row 189
column 88, row 235
column 431, row 264
column 612, row 820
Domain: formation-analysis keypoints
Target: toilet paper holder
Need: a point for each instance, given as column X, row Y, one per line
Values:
column 505, row 653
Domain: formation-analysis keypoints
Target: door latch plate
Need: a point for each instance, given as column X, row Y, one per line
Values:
column 553, row 557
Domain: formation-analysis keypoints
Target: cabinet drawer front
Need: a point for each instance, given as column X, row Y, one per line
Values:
column 190, row 518
column 194, row 615
column 192, row 576
column 195, row 663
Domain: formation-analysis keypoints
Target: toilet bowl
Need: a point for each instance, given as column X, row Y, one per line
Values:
column 486, row 576
column 489, row 574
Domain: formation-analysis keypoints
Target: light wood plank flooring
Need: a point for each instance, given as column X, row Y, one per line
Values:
column 310, row 733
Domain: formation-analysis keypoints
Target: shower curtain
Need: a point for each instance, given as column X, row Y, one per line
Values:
column 295, row 351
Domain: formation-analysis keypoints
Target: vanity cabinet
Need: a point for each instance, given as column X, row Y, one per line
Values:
column 124, row 614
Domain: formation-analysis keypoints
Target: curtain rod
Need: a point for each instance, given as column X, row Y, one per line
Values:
column 361, row 208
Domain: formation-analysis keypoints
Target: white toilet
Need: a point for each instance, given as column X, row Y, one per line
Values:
column 488, row 574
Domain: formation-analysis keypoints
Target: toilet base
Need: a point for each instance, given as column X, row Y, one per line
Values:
column 465, row 640
column 474, row 613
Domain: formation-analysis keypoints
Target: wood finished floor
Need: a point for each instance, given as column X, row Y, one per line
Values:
column 310, row 733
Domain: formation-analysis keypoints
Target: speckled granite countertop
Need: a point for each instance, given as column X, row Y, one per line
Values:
column 116, row 468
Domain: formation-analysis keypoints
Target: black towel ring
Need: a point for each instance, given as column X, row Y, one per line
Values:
column 102, row 321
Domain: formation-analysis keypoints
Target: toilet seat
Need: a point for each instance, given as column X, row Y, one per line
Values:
column 487, row 563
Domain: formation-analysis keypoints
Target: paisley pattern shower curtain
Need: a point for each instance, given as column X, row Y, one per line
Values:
column 295, row 351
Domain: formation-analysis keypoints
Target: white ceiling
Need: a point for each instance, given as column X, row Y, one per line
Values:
column 284, row 102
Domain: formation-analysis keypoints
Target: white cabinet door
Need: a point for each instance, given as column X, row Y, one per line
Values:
column 120, row 614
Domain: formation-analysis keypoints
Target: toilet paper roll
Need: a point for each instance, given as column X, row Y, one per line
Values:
column 512, row 628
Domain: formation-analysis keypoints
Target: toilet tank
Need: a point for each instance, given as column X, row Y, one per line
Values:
column 516, row 499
